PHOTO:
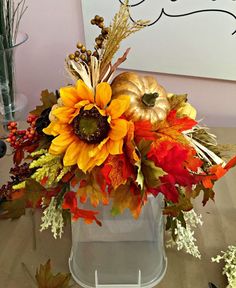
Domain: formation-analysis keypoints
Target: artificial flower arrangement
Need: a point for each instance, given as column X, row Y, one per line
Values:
column 108, row 139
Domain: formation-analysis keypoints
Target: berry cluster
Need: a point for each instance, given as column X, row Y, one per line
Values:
column 19, row 174
column 82, row 54
column 17, row 138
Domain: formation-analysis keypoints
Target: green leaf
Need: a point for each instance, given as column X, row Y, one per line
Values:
column 181, row 219
column 177, row 101
column 45, row 278
column 144, row 147
column 152, row 173
column 48, row 100
column 13, row 209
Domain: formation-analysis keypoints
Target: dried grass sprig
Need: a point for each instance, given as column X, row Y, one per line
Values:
column 120, row 28
column 207, row 139
column 227, row 151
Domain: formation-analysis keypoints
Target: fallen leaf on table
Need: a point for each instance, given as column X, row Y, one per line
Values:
column 45, row 278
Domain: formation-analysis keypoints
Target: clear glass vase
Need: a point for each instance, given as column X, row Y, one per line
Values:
column 124, row 252
column 11, row 102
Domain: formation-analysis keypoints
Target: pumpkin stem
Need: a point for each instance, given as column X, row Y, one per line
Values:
column 149, row 99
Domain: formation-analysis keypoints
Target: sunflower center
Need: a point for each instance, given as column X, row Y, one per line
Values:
column 90, row 126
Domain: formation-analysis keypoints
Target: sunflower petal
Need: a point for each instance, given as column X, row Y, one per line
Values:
column 60, row 143
column 119, row 128
column 97, row 148
column 99, row 158
column 115, row 147
column 118, row 106
column 55, row 128
column 83, row 157
column 81, row 103
column 84, row 91
column 64, row 114
column 72, row 153
column 69, row 96
column 103, row 94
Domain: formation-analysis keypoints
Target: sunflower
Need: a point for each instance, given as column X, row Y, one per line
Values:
column 87, row 125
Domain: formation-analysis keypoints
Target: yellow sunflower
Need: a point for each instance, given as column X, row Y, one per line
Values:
column 88, row 127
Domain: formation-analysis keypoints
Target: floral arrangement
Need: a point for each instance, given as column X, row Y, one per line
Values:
column 108, row 139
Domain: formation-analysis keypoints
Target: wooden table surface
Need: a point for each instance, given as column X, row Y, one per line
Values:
column 184, row 271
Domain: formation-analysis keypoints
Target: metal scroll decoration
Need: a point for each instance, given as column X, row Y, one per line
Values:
column 163, row 12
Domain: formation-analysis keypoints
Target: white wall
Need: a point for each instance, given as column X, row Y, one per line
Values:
column 54, row 28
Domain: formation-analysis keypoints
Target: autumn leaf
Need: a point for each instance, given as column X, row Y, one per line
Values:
column 117, row 170
column 70, row 204
column 173, row 158
column 172, row 127
column 46, row 279
column 143, row 130
column 231, row 163
column 48, row 100
column 34, row 192
column 184, row 204
column 144, row 146
column 91, row 188
column 177, row 101
column 152, row 173
column 18, row 156
column 208, row 193
column 13, row 209
column 93, row 192
column 126, row 196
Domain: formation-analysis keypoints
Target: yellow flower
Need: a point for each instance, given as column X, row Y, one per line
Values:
column 88, row 127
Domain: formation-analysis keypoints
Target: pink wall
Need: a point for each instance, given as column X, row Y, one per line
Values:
column 54, row 28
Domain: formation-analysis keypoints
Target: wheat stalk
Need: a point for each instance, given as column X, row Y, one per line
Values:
column 120, row 28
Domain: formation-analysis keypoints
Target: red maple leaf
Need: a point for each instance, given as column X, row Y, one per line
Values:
column 174, row 159
column 143, row 130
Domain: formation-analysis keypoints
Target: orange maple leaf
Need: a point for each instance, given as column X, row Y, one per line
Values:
column 70, row 203
column 216, row 172
column 117, row 170
column 127, row 196
column 172, row 127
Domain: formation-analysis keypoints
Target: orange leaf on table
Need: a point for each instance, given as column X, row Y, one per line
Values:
column 45, row 278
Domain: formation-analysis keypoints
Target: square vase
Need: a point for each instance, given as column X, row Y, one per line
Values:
column 124, row 252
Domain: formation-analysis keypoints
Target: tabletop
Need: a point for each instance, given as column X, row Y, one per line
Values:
column 184, row 271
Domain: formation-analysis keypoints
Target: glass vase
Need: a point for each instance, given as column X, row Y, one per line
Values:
column 124, row 252
column 12, row 103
